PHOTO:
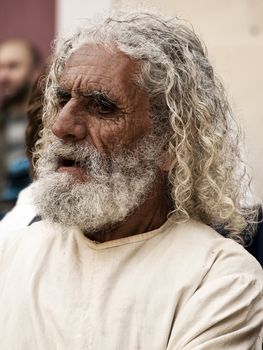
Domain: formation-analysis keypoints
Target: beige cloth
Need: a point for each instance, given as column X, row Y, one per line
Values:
column 180, row 287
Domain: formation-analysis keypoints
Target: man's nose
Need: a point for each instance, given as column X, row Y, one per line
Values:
column 68, row 126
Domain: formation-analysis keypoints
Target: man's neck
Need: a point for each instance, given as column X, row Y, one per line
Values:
column 149, row 216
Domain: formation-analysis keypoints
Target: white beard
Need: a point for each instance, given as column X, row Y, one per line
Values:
column 116, row 186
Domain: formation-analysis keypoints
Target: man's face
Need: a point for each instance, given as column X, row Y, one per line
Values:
column 103, row 161
column 15, row 69
column 101, row 105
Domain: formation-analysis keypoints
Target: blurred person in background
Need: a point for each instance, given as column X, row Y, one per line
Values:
column 24, row 212
column 19, row 67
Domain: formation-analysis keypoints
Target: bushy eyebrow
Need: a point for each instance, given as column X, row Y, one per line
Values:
column 96, row 95
column 99, row 97
column 62, row 93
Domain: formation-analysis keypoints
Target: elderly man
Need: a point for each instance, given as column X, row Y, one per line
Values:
column 136, row 163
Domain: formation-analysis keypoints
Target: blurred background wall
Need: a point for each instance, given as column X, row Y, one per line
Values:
column 72, row 14
column 231, row 29
column 33, row 20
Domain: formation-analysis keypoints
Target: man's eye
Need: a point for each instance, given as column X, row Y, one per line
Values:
column 62, row 101
column 104, row 108
column 63, row 96
column 101, row 108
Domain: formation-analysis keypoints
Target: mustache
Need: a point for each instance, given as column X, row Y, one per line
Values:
column 144, row 154
column 84, row 155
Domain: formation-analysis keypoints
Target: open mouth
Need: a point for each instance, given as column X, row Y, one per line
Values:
column 72, row 167
column 64, row 162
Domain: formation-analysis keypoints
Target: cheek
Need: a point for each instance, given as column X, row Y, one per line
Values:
column 110, row 134
column 123, row 133
column 134, row 124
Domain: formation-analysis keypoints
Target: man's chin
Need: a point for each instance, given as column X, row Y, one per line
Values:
column 90, row 205
column 66, row 198
column 102, row 195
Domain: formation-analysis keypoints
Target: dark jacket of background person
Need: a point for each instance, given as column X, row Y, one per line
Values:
column 256, row 247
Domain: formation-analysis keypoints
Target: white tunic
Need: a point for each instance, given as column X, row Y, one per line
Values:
column 22, row 213
column 180, row 287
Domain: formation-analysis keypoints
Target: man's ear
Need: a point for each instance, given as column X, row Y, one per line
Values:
column 165, row 162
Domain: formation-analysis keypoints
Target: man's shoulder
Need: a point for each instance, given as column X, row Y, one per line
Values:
column 222, row 290
column 202, row 246
column 26, row 240
column 25, row 232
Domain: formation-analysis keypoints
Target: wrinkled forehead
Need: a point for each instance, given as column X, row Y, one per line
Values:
column 94, row 65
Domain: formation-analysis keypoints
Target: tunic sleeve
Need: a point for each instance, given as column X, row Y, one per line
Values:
column 224, row 313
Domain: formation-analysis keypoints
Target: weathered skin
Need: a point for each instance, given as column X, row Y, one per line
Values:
column 93, row 68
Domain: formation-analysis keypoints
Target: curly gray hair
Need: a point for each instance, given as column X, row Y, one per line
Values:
column 207, row 176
